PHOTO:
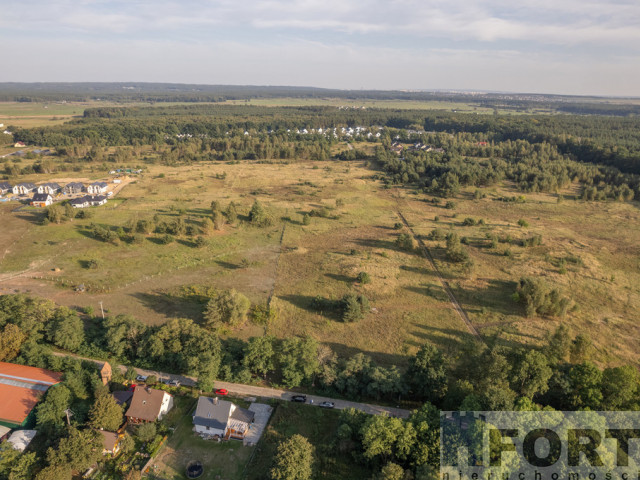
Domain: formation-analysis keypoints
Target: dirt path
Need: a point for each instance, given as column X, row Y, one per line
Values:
column 445, row 285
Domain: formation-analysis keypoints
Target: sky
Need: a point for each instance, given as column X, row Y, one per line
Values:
column 580, row 47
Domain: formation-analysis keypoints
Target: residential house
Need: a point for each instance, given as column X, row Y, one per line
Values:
column 5, row 188
column 21, row 388
column 97, row 187
column 19, row 144
column 21, row 439
column 148, row 405
column 73, row 188
column 4, row 432
column 50, row 188
column 23, row 188
column 110, row 442
column 97, row 200
column 41, row 200
column 219, row 418
column 82, row 202
column 105, row 373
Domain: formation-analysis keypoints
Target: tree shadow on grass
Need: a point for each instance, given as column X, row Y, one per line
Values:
column 228, row 265
column 496, row 297
column 306, row 302
column 340, row 278
column 434, row 291
column 32, row 217
column 171, row 305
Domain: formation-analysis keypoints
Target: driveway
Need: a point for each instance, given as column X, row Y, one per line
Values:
column 263, row 412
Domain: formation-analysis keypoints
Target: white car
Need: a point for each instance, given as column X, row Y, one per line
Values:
column 141, row 378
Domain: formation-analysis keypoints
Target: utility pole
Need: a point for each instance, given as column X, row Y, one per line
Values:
column 102, row 310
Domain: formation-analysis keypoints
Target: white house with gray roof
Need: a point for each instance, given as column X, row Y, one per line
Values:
column 97, row 187
column 219, row 418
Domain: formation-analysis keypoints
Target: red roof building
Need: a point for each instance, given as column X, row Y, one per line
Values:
column 21, row 388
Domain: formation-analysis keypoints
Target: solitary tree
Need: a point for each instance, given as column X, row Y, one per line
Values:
column 228, row 307
column 294, row 459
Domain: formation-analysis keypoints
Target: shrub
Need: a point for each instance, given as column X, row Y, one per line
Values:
column 532, row 241
column 354, row 307
column 455, row 252
column 405, row 242
column 166, row 239
column 450, row 205
column 263, row 314
column 436, row 234
column 306, row 219
column 200, row 242
column 469, row 222
column 523, row 223
column 93, row 263
column 258, row 216
column 541, row 298
column 397, row 226
column 228, row 307
column 364, row 278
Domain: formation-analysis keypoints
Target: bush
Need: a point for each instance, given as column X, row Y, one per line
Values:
column 455, row 252
column 532, row 241
column 437, row 234
column 450, row 205
column 200, row 242
column 541, row 298
column 93, row 263
column 523, row 223
column 405, row 242
column 397, row 226
column 166, row 239
column 228, row 307
column 354, row 307
column 258, row 216
column 306, row 219
column 146, row 432
column 469, row 222
column 84, row 213
column 363, row 278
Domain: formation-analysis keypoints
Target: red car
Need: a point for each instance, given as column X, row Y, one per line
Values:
column 222, row 391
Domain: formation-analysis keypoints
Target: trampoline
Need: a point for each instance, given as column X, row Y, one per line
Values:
column 194, row 469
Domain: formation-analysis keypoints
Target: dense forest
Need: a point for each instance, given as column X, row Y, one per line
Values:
column 537, row 152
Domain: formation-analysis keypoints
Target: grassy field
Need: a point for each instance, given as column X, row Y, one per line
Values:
column 589, row 249
column 319, row 427
column 293, row 263
column 322, row 258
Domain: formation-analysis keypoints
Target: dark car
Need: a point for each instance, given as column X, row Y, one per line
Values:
column 326, row 404
column 299, row 398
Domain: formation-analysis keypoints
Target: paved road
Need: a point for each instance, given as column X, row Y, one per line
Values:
column 263, row 392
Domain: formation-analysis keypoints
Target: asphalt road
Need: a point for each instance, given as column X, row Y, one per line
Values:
column 240, row 389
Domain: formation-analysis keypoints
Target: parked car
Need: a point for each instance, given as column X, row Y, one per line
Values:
column 326, row 404
column 299, row 398
column 141, row 378
column 174, row 383
column 222, row 391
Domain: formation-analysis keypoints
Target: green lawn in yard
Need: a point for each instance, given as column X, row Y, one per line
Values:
column 223, row 461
